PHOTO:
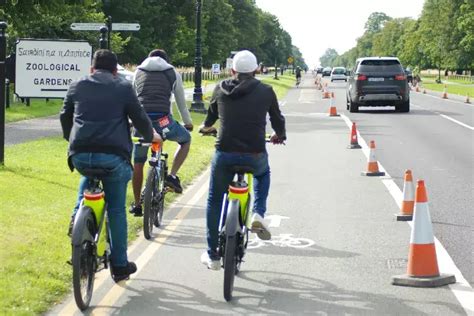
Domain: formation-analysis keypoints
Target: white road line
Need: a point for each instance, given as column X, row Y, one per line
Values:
column 446, row 117
column 462, row 290
column 455, row 121
column 448, row 100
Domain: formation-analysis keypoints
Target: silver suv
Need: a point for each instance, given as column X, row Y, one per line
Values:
column 378, row 81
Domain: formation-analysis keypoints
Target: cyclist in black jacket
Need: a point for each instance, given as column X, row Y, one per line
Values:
column 242, row 105
column 94, row 120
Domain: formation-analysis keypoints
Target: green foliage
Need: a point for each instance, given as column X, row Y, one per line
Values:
column 330, row 55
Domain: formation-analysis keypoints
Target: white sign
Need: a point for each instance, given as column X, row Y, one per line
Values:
column 46, row 68
column 228, row 64
column 96, row 26
column 216, row 69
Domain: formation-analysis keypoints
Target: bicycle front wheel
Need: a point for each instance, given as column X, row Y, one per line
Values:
column 150, row 202
column 83, row 258
column 231, row 248
column 161, row 199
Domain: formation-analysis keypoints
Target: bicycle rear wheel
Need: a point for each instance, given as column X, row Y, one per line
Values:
column 83, row 257
column 231, row 248
column 150, row 202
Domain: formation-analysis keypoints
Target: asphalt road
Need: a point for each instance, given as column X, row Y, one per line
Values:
column 436, row 141
column 335, row 242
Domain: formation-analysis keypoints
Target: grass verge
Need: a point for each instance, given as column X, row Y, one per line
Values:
column 37, row 193
column 460, row 89
column 38, row 108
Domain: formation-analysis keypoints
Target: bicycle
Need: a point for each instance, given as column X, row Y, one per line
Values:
column 234, row 223
column 153, row 194
column 90, row 238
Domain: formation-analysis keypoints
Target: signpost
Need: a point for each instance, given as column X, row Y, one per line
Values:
column 46, row 68
column 216, row 69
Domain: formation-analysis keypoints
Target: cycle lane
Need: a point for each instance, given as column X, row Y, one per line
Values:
column 316, row 184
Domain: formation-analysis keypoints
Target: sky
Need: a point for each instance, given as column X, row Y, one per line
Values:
column 316, row 25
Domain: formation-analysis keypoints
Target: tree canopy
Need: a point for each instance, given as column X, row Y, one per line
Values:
column 442, row 37
column 227, row 25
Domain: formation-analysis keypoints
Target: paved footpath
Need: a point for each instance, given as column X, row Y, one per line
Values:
column 22, row 131
column 334, row 249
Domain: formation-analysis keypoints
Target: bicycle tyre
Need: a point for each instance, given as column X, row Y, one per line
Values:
column 148, row 199
column 230, row 249
column 83, row 258
column 162, row 191
column 230, row 263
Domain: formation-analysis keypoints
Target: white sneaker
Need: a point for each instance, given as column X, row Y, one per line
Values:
column 258, row 226
column 211, row 264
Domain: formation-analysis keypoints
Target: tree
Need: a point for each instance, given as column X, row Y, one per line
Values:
column 375, row 22
column 328, row 58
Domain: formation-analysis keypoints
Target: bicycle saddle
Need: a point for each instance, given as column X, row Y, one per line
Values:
column 242, row 169
column 95, row 173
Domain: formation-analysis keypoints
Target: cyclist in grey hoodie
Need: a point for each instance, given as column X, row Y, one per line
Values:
column 155, row 80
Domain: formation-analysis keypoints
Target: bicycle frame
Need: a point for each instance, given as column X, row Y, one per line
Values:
column 96, row 201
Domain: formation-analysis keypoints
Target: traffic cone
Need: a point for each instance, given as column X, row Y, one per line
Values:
column 406, row 211
column 354, row 143
column 467, row 99
column 422, row 269
column 326, row 94
column 445, row 94
column 332, row 94
column 417, row 89
column 332, row 108
column 372, row 164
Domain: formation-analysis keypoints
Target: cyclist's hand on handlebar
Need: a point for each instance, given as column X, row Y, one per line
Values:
column 274, row 139
column 189, row 127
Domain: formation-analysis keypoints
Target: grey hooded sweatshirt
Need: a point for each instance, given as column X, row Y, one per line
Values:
column 154, row 81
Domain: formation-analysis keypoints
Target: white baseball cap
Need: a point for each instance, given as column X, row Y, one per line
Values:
column 244, row 62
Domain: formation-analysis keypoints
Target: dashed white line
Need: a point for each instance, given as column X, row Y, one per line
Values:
column 456, row 121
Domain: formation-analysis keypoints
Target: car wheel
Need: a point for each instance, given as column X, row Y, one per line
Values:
column 353, row 107
column 347, row 102
column 404, row 107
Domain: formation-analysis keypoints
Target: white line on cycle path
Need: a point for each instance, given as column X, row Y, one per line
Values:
column 462, row 290
column 105, row 306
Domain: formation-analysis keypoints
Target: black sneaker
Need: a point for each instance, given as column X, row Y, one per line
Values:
column 123, row 273
column 174, row 183
column 136, row 210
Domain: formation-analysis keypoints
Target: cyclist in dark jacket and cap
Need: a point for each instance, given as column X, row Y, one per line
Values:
column 242, row 105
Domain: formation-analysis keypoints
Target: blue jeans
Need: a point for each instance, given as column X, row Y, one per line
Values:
column 221, row 177
column 115, row 188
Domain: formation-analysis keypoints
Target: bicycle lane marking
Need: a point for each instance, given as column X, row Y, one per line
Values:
column 105, row 306
column 462, row 290
column 117, row 289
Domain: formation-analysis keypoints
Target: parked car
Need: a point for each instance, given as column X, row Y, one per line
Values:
column 378, row 81
column 338, row 73
column 319, row 70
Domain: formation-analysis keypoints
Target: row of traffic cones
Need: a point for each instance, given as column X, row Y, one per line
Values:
column 422, row 268
column 444, row 95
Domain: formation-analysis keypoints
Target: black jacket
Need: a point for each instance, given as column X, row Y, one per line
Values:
column 242, row 108
column 94, row 117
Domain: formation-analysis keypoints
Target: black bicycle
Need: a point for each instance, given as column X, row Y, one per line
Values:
column 153, row 194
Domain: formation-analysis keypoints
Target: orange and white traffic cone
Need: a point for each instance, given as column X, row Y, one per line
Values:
column 326, row 94
column 445, row 93
column 372, row 164
column 422, row 269
column 406, row 210
column 467, row 99
column 332, row 107
column 417, row 89
column 332, row 94
column 354, row 143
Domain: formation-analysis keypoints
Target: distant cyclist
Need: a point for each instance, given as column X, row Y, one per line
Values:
column 155, row 81
column 242, row 105
column 298, row 75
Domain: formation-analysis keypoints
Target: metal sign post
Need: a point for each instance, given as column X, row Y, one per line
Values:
column 3, row 55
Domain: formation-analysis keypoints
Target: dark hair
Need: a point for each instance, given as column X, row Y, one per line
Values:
column 159, row 53
column 104, row 59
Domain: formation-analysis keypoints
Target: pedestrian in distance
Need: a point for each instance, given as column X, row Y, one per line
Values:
column 242, row 105
column 94, row 120
column 155, row 81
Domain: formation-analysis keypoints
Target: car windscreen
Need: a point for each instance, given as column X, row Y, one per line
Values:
column 339, row 71
column 380, row 65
